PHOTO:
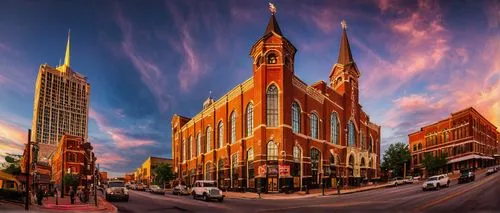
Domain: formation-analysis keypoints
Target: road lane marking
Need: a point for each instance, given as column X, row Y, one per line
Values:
column 325, row 205
column 184, row 201
column 456, row 194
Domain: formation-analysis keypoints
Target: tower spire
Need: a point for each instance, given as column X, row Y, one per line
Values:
column 272, row 25
column 67, row 57
column 345, row 55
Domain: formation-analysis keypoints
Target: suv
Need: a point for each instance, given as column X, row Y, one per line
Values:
column 436, row 182
column 116, row 190
column 466, row 176
column 397, row 181
column 207, row 189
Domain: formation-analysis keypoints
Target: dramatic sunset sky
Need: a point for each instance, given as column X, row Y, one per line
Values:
column 419, row 61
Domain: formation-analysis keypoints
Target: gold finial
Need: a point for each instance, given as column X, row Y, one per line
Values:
column 344, row 24
column 67, row 57
column 272, row 8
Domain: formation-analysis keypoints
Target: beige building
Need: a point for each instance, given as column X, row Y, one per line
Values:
column 61, row 105
column 145, row 174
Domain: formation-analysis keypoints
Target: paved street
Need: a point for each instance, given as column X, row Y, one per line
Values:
column 480, row 195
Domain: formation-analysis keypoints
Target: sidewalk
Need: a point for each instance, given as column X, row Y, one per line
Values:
column 300, row 194
column 65, row 204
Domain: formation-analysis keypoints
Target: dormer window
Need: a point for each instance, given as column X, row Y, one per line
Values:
column 272, row 58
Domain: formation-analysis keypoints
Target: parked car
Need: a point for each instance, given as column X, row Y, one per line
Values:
column 180, row 190
column 133, row 186
column 207, row 190
column 408, row 179
column 155, row 189
column 491, row 170
column 140, row 187
column 116, row 190
column 397, row 181
column 436, row 182
column 466, row 176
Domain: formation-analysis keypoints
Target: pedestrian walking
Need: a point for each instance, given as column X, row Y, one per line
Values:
column 39, row 196
column 72, row 194
column 338, row 186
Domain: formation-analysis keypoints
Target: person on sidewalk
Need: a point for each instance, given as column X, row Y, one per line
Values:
column 338, row 186
column 39, row 196
column 72, row 194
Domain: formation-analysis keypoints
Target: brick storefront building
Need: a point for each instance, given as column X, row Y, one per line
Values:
column 466, row 137
column 72, row 156
column 274, row 130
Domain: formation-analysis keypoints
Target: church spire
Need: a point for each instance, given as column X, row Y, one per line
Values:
column 345, row 55
column 67, row 57
column 272, row 25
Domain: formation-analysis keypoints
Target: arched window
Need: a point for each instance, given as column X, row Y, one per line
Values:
column 272, row 58
column 234, row 170
column 191, row 149
column 334, row 128
column 351, row 161
column 419, row 146
column 297, row 157
column 209, row 139
column 221, row 134
column 272, row 151
column 233, row 127
column 362, row 139
column 198, row 144
column 295, row 117
column 220, row 170
column 314, row 126
column 272, row 106
column 183, row 150
column 315, row 160
column 362, row 162
column 414, row 147
column 370, row 144
column 249, row 119
column 351, row 134
column 209, row 169
column 250, row 158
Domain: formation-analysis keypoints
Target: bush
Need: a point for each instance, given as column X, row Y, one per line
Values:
column 12, row 195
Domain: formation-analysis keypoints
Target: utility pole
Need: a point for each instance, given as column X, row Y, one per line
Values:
column 404, row 171
column 62, row 173
column 27, row 172
column 96, row 170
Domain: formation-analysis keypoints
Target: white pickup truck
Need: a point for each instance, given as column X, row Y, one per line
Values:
column 436, row 182
column 207, row 190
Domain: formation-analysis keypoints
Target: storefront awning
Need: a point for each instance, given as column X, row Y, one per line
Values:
column 487, row 158
column 464, row 158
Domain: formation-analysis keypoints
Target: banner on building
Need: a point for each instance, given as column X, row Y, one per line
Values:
column 284, row 170
column 262, row 170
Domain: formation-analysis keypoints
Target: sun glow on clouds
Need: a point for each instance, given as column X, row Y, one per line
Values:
column 118, row 136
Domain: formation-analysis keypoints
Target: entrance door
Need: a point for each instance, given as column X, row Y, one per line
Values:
column 272, row 184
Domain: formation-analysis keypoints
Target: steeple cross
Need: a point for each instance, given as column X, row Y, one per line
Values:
column 344, row 24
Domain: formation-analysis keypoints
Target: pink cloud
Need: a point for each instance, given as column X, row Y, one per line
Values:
column 111, row 158
column 194, row 65
column 417, row 42
column 13, row 132
column 150, row 72
column 120, row 139
column 492, row 11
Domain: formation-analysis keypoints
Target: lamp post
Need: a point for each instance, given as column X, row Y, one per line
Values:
column 27, row 172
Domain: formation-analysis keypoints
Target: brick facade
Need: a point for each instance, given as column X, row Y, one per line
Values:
column 466, row 137
column 277, row 130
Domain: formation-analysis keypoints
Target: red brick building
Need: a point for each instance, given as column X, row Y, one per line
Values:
column 274, row 130
column 72, row 156
column 466, row 137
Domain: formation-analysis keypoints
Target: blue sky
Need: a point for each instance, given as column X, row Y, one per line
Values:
column 419, row 61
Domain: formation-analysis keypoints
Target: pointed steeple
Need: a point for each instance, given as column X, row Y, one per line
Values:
column 67, row 57
column 272, row 26
column 345, row 55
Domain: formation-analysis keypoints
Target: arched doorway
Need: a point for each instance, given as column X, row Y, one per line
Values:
column 315, row 165
column 297, row 168
column 363, row 170
column 350, row 171
column 272, row 167
column 220, row 173
column 332, row 172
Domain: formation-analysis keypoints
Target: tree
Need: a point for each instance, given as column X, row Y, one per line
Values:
column 163, row 173
column 434, row 164
column 71, row 180
column 395, row 157
column 12, row 164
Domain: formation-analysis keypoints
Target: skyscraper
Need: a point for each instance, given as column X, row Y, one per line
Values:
column 61, row 105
